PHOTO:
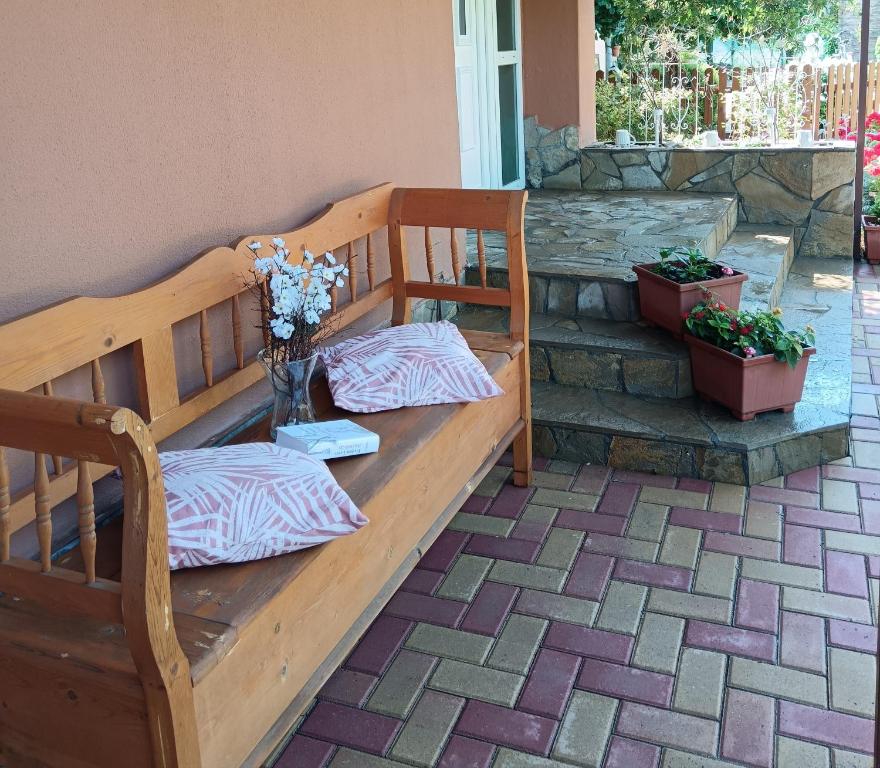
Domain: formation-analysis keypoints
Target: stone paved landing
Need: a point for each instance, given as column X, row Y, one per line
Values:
column 613, row 619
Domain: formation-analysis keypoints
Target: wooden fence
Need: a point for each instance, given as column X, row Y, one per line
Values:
column 827, row 93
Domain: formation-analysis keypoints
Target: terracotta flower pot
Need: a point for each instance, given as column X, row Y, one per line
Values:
column 872, row 239
column 746, row 386
column 615, row 50
column 664, row 302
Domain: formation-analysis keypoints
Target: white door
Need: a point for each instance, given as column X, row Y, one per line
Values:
column 467, row 89
column 488, row 80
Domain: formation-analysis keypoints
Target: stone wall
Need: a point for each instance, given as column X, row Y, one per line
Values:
column 551, row 154
column 809, row 189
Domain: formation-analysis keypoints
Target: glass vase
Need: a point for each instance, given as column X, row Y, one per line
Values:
column 291, row 388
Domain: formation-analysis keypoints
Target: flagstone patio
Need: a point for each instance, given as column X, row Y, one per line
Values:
column 613, row 619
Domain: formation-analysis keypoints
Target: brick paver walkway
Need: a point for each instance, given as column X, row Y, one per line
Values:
column 619, row 620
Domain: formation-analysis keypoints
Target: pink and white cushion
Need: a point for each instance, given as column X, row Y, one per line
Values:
column 250, row 501
column 414, row 364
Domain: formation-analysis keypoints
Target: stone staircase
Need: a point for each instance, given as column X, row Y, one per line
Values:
column 609, row 389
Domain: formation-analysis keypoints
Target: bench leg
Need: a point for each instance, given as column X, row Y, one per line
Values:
column 522, row 457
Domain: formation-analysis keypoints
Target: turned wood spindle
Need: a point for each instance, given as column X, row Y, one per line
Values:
column 207, row 356
column 5, row 501
column 98, row 393
column 264, row 314
column 456, row 261
column 43, row 511
column 429, row 253
column 333, row 297
column 85, row 503
column 371, row 262
column 57, row 462
column 481, row 257
column 352, row 271
column 237, row 344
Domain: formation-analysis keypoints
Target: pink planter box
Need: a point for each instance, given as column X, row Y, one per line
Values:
column 663, row 301
column 872, row 239
column 747, row 387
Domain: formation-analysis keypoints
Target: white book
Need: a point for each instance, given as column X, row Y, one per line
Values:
column 328, row 439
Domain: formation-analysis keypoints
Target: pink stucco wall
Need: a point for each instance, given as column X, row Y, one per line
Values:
column 558, row 71
column 135, row 134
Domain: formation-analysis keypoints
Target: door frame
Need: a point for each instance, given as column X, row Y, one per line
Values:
column 488, row 60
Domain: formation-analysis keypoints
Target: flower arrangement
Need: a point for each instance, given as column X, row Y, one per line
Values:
column 295, row 298
column 689, row 266
column 747, row 334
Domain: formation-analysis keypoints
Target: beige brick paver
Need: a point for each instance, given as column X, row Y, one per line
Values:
column 561, row 548
column 422, row 738
column 672, row 497
column 622, row 607
column 517, row 644
column 793, row 753
column 585, row 729
column 844, row 759
column 672, row 729
column 401, row 685
column 535, row 513
column 348, row 758
column 716, row 575
column 853, row 678
column 728, row 498
column 492, row 685
column 699, row 689
column 549, row 497
column 648, row 522
column 824, row 604
column 672, row 758
column 450, row 643
column 680, row 546
column 658, row 643
column 524, row 575
column 555, row 480
column 494, row 481
column 689, row 606
column 465, row 578
column 573, row 610
column 853, row 542
column 778, row 681
column 487, row 524
column 840, row 496
column 781, row 573
column 764, row 521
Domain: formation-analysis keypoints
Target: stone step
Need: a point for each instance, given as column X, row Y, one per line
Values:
column 581, row 246
column 599, row 354
column 685, row 437
column 689, row 437
column 765, row 252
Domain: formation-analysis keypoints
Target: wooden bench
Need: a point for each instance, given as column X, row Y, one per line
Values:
column 112, row 660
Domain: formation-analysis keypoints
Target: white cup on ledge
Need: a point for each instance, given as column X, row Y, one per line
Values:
column 623, row 138
column 805, row 138
column 711, row 139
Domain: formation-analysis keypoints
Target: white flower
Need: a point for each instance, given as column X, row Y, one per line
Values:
column 255, row 245
column 339, row 282
column 278, row 241
column 329, row 257
column 263, row 266
column 309, row 257
column 312, row 317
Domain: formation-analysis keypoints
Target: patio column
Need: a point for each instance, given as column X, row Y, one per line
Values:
column 559, row 73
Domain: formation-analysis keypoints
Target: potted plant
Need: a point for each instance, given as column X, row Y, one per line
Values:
column 669, row 288
column 871, row 216
column 746, row 360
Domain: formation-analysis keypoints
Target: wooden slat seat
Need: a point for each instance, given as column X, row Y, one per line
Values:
column 232, row 595
column 106, row 649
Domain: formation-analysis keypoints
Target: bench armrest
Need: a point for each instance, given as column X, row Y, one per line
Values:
column 93, row 433
column 461, row 209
